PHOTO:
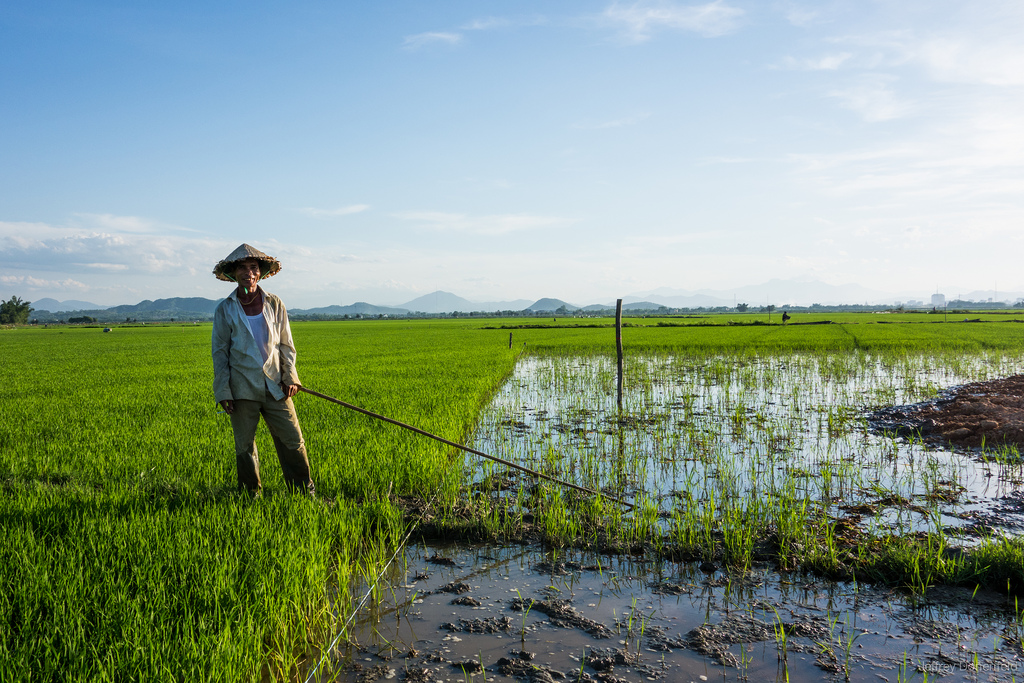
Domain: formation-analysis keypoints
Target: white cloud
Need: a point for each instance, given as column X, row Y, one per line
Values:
column 957, row 179
column 419, row 40
column 870, row 162
column 111, row 266
column 956, row 60
column 19, row 235
column 982, row 48
column 491, row 23
column 486, row 24
column 329, row 213
column 34, row 283
column 498, row 224
column 128, row 247
column 801, row 16
column 640, row 20
column 873, row 97
column 830, row 62
column 452, row 38
column 109, row 222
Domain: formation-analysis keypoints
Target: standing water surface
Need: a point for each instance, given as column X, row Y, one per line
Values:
column 714, row 451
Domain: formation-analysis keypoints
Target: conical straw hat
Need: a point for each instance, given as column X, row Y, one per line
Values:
column 225, row 269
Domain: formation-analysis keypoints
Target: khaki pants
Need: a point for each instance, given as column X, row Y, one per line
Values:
column 284, row 428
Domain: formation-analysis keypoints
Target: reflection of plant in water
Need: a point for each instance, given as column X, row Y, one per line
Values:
column 779, row 628
column 850, row 634
column 903, row 672
column 724, row 452
column 745, row 659
column 827, row 647
column 1018, row 624
column 629, row 622
column 527, row 606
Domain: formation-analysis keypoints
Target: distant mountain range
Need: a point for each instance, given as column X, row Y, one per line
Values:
column 358, row 308
column 199, row 308
column 191, row 308
column 777, row 292
column 446, row 302
column 69, row 305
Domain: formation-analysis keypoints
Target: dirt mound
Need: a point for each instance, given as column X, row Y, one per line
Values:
column 989, row 413
column 562, row 613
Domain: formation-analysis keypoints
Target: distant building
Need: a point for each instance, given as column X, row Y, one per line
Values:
column 938, row 300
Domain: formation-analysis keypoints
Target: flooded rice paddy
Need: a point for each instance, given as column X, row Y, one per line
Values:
column 717, row 454
column 731, row 430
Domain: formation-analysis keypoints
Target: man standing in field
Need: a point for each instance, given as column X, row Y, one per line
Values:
column 254, row 370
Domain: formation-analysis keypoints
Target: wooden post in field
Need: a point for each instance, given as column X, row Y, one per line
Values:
column 510, row 340
column 618, row 344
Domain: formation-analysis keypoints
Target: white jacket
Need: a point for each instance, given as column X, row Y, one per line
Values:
column 238, row 368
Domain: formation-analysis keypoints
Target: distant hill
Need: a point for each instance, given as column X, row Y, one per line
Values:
column 550, row 305
column 55, row 306
column 796, row 292
column 439, row 302
column 677, row 301
column 626, row 306
column 182, row 307
column 199, row 308
column 358, row 308
column 514, row 305
column 446, row 302
column 984, row 295
column 641, row 306
column 799, row 292
column 178, row 308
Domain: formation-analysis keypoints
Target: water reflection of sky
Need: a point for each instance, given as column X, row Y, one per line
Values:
column 693, row 427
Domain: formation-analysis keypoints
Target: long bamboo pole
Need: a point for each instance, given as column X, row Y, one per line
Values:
column 435, row 437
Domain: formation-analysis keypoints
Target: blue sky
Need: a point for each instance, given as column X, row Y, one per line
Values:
column 500, row 150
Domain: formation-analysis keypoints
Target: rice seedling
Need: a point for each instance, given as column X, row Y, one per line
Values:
column 848, row 636
column 525, row 607
column 735, row 452
column 126, row 553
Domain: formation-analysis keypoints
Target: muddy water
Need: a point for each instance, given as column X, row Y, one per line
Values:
column 456, row 613
column 692, row 431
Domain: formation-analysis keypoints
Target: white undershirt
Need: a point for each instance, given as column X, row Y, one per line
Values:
column 261, row 333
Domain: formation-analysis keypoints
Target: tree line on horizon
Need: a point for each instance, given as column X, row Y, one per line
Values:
column 14, row 311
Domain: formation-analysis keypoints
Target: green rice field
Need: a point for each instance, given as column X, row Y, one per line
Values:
column 127, row 555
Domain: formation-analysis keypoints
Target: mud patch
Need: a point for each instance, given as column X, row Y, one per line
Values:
column 489, row 625
column 561, row 613
column 642, row 621
column 981, row 413
column 519, row 666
